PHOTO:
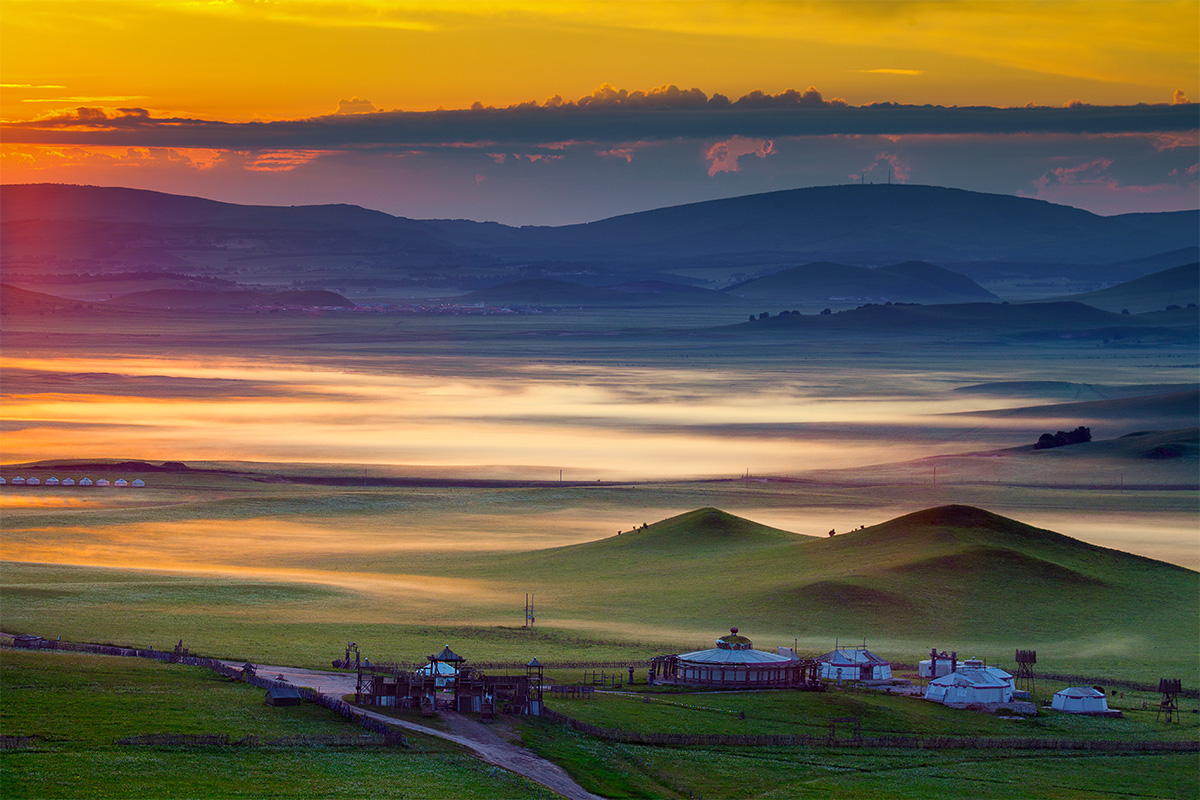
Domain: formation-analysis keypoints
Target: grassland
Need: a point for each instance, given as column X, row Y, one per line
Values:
column 616, row 770
column 76, row 706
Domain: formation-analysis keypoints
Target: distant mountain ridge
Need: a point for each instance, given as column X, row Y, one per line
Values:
column 64, row 228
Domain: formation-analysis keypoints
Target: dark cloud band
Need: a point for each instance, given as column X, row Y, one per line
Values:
column 531, row 124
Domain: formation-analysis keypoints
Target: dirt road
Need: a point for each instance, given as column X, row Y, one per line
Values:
column 475, row 736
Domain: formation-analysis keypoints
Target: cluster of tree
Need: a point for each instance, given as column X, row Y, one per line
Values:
column 1062, row 438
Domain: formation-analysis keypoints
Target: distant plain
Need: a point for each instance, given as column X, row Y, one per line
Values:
column 352, row 474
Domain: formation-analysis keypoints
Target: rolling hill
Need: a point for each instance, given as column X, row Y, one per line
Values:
column 822, row 281
column 63, row 229
column 555, row 293
column 941, row 573
column 1176, row 286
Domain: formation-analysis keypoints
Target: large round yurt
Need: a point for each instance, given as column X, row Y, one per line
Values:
column 734, row 663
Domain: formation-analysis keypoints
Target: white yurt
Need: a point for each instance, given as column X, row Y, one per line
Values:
column 138, row 483
column 1080, row 700
column 18, row 481
column 102, row 482
column 52, row 481
column 68, row 481
column 973, row 683
column 121, row 482
column 854, row 664
column 2, row 481
column 85, row 481
column 33, row 482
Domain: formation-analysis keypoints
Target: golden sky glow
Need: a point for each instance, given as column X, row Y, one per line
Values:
column 245, row 60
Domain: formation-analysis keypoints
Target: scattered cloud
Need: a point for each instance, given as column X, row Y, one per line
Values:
column 891, row 71
column 1180, row 98
column 355, row 105
column 723, row 156
column 31, row 86
column 99, row 98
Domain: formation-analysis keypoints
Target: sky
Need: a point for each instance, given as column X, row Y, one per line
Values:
column 559, row 112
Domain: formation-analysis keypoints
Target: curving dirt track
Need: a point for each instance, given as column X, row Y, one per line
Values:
column 476, row 737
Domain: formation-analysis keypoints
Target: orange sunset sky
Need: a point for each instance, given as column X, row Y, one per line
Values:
column 584, row 110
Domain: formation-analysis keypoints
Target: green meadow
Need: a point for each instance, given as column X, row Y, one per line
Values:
column 69, row 710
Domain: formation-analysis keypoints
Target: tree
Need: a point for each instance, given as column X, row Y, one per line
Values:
column 826, row 312
column 832, row 532
column 1063, row 438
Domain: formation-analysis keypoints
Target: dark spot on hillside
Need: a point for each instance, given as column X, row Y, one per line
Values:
column 1165, row 451
column 995, row 565
column 851, row 596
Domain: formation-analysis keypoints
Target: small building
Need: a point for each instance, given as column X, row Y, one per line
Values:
column 972, row 684
column 102, row 482
column 2, row 481
column 52, row 481
column 28, row 641
column 18, row 481
column 121, row 482
column 283, row 696
column 938, row 664
column 138, row 483
column 68, row 481
column 854, row 664
column 85, row 481
column 33, row 482
column 734, row 663
column 1082, row 700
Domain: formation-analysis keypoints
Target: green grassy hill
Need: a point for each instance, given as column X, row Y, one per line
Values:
column 952, row 574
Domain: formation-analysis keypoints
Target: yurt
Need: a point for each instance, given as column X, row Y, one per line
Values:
column 68, row 481
column 121, row 482
column 854, row 664
column 18, row 481
column 1080, row 700
column 734, row 663
column 973, row 683
column 2, row 481
column 102, row 482
column 52, row 481
column 85, row 481
column 33, row 482
column 138, row 483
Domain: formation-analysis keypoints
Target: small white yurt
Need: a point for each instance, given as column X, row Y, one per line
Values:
column 33, row 482
column 121, row 482
column 52, row 481
column 973, row 683
column 856, row 664
column 102, row 482
column 68, row 481
column 2, row 481
column 18, row 481
column 85, row 481
column 138, row 483
column 1080, row 700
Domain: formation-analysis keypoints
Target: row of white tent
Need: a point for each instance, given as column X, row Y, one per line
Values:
column 956, row 682
column 137, row 483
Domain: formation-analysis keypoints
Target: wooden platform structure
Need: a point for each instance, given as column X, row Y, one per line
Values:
column 465, row 690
